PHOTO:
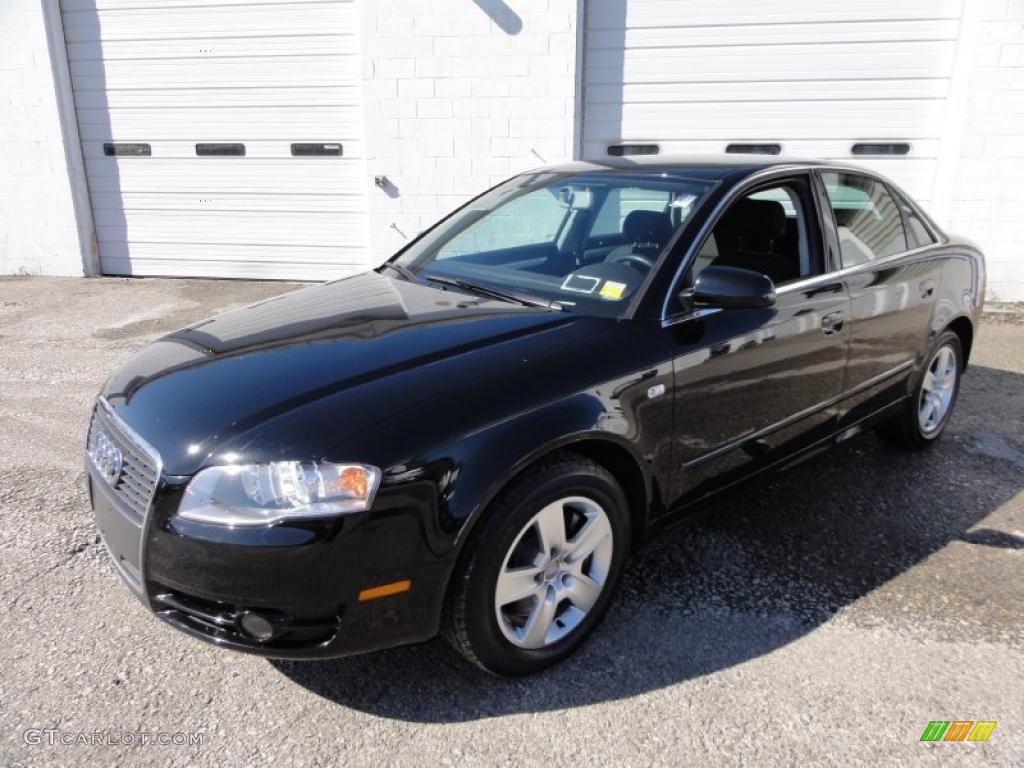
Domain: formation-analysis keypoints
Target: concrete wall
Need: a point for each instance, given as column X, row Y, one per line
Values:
column 988, row 192
column 459, row 95
column 38, row 229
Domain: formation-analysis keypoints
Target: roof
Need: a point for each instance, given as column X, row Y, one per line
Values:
column 693, row 166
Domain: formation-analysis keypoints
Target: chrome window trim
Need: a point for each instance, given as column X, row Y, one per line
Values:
column 702, row 312
column 766, row 175
column 838, row 274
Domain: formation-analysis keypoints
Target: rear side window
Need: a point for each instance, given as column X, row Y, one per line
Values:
column 918, row 234
column 869, row 222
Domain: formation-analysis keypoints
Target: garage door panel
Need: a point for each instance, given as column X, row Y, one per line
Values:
column 302, row 262
column 236, row 227
column 208, row 20
column 819, row 119
column 286, row 266
column 114, row 5
column 196, row 98
column 784, row 62
column 660, row 13
column 222, row 202
column 210, row 175
column 262, row 151
column 240, row 72
column 209, row 48
column 218, row 124
column 611, row 39
column 781, row 90
column 924, row 151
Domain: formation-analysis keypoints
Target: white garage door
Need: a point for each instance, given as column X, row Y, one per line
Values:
column 154, row 80
column 813, row 77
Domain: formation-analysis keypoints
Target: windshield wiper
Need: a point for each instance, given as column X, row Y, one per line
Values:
column 404, row 271
column 494, row 293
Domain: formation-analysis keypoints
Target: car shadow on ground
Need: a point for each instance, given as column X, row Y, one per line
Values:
column 766, row 566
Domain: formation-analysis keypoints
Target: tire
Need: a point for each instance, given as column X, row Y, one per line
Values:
column 525, row 635
column 936, row 387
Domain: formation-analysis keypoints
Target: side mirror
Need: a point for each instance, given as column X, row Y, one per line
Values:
column 731, row 287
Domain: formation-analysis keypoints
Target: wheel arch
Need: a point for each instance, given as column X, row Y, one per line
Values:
column 610, row 453
column 964, row 329
column 625, row 468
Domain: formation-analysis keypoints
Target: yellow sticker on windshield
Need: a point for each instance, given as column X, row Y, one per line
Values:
column 612, row 290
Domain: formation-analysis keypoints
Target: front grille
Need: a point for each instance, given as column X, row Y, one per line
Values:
column 140, row 471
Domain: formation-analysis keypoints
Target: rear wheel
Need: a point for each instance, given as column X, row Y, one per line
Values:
column 540, row 570
column 924, row 416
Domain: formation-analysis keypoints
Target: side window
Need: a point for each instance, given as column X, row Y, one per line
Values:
column 869, row 223
column 918, row 234
column 767, row 232
column 527, row 220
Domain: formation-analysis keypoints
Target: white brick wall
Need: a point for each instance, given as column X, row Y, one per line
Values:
column 460, row 94
column 988, row 194
column 38, row 231
column 457, row 100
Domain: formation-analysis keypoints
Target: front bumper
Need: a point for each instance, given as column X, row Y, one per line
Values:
column 303, row 577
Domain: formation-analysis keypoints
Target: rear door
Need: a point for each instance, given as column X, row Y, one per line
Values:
column 893, row 287
column 753, row 386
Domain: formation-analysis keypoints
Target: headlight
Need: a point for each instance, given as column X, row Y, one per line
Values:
column 258, row 494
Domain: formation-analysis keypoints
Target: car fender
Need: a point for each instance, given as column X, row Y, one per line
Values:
column 471, row 471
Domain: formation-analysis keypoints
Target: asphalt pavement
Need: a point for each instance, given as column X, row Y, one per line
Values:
column 824, row 617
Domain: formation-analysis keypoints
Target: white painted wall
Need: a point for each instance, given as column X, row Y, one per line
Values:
column 987, row 196
column 459, row 95
column 38, row 230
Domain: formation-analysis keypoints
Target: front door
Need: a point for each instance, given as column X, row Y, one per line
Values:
column 755, row 385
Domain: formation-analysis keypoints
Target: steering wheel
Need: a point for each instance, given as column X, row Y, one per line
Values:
column 643, row 263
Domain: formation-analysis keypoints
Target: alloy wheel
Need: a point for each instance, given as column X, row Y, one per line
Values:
column 937, row 390
column 554, row 573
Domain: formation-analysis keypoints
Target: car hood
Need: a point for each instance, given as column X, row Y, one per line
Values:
column 292, row 376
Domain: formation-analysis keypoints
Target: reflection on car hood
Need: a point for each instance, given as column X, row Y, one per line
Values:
column 358, row 348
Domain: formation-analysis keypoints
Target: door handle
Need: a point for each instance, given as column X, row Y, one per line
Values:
column 927, row 288
column 833, row 322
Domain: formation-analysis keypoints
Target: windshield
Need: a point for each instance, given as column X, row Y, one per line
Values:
column 579, row 241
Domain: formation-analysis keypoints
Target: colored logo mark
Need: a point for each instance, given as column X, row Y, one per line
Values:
column 958, row 730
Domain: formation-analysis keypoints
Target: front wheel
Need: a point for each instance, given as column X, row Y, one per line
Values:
column 540, row 570
column 925, row 414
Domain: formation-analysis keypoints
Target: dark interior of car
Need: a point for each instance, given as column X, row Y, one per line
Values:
column 757, row 233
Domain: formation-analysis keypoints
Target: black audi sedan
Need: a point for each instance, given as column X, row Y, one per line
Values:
column 474, row 438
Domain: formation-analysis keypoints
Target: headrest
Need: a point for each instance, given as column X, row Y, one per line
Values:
column 647, row 227
column 752, row 224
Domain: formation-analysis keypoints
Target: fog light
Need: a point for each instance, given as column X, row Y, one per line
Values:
column 257, row 626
